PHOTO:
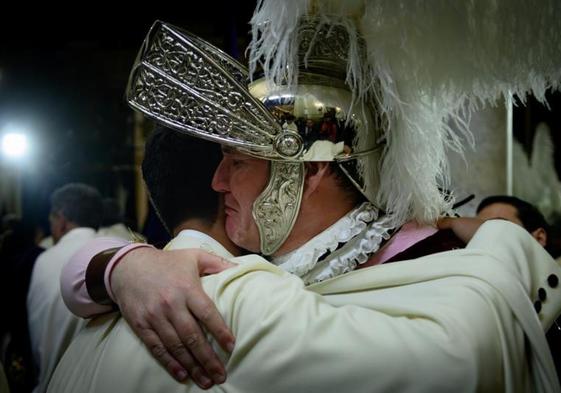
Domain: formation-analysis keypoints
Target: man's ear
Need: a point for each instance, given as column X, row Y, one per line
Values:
column 315, row 172
column 64, row 223
column 540, row 235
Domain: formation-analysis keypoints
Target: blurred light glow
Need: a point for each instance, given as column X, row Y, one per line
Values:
column 14, row 144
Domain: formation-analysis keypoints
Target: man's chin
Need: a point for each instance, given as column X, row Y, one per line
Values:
column 239, row 237
column 232, row 231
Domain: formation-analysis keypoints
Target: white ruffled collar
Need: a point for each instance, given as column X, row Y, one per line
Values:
column 361, row 234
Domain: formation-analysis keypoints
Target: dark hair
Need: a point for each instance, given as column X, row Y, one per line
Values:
column 528, row 214
column 345, row 183
column 78, row 203
column 178, row 171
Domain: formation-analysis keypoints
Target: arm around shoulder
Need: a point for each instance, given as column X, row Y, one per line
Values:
column 73, row 281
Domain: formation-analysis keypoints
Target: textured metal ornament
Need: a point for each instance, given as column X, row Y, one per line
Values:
column 187, row 84
column 324, row 47
column 276, row 209
column 288, row 144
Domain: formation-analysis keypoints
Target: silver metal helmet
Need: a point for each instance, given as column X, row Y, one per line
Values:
column 189, row 85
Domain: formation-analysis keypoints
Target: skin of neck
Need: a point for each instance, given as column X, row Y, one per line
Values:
column 215, row 230
column 324, row 203
column 65, row 227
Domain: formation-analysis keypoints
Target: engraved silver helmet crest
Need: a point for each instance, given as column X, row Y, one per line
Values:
column 191, row 86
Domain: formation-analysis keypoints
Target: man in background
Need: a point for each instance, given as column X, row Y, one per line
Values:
column 530, row 218
column 517, row 211
column 74, row 218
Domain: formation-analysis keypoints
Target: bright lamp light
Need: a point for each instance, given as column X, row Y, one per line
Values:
column 14, row 144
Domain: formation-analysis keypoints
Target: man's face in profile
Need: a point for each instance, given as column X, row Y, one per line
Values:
column 510, row 213
column 500, row 210
column 241, row 178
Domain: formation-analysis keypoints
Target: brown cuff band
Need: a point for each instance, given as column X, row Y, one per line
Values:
column 95, row 276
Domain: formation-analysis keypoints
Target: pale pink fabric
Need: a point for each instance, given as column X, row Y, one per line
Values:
column 73, row 276
column 409, row 234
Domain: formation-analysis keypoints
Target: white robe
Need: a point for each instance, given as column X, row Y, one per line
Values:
column 460, row 321
column 51, row 325
column 120, row 231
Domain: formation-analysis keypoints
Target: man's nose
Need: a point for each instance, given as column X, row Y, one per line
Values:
column 220, row 178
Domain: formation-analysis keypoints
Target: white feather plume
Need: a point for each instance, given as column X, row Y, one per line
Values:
column 436, row 61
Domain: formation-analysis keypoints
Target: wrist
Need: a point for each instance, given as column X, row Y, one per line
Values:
column 95, row 272
column 115, row 275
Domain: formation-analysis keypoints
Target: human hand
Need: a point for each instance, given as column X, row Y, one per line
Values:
column 160, row 295
column 463, row 227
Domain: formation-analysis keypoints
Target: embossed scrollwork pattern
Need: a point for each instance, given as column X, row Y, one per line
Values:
column 173, row 103
column 324, row 43
column 187, row 83
column 276, row 209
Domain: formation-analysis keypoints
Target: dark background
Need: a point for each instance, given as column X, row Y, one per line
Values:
column 63, row 74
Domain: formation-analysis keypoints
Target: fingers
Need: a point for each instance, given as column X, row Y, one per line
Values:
column 204, row 309
column 195, row 342
column 170, row 351
column 159, row 352
column 445, row 222
column 165, row 304
column 210, row 264
column 463, row 227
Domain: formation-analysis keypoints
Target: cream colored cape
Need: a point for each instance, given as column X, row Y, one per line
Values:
column 460, row 321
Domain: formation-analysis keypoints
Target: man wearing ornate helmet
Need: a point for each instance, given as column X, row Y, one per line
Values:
column 310, row 205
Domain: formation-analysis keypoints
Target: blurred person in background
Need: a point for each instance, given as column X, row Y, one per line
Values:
column 18, row 253
column 74, row 220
